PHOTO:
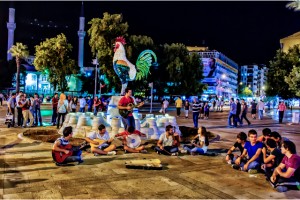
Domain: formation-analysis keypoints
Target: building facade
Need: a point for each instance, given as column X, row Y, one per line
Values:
column 255, row 78
column 220, row 73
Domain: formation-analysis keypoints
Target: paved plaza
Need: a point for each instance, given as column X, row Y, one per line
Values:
column 27, row 170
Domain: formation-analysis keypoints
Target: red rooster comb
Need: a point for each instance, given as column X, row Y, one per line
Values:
column 121, row 39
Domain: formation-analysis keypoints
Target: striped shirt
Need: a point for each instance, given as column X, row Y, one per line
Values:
column 196, row 107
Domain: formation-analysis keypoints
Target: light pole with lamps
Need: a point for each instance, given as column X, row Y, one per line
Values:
column 95, row 62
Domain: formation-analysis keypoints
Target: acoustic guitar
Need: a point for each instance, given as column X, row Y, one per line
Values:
column 59, row 156
column 100, row 142
column 124, row 112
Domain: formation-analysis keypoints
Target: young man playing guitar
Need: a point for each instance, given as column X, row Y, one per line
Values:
column 128, row 147
column 124, row 105
column 100, row 142
column 63, row 152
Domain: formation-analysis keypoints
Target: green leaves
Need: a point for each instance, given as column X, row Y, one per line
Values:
column 282, row 74
column 19, row 51
column 102, row 33
column 53, row 56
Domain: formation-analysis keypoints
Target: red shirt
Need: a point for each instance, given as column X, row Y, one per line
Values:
column 124, row 101
column 54, row 102
column 292, row 162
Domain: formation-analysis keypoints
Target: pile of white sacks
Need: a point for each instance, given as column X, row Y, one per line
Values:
column 84, row 123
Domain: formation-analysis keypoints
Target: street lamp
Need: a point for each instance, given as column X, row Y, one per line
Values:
column 95, row 62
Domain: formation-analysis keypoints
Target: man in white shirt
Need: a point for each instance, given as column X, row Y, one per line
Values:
column 261, row 108
column 168, row 142
column 82, row 104
column 100, row 142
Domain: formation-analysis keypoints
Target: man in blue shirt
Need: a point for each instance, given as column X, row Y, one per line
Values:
column 232, row 114
column 253, row 148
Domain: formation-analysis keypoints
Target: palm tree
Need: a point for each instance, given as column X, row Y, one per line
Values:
column 19, row 51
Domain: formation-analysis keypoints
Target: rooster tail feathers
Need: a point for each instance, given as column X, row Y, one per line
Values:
column 145, row 60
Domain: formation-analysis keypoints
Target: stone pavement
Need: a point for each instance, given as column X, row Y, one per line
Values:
column 27, row 170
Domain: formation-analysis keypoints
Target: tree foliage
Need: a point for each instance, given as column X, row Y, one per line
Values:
column 280, row 67
column 183, row 70
column 293, row 80
column 103, row 32
column 53, row 57
column 19, row 51
column 247, row 92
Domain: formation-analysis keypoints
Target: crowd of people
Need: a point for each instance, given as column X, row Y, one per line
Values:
column 270, row 154
column 27, row 109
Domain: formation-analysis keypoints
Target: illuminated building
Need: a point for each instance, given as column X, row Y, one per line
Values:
column 35, row 81
column 254, row 77
column 220, row 73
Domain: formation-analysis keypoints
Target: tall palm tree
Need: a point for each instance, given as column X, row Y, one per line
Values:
column 19, row 51
column 294, row 5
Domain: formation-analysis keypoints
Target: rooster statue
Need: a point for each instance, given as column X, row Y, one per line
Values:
column 125, row 70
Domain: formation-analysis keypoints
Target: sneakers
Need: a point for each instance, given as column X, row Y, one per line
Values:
column 96, row 154
column 281, row 188
column 111, row 153
column 183, row 151
column 252, row 171
column 158, row 152
column 229, row 162
column 174, row 154
column 20, row 136
column 80, row 161
column 235, row 166
column 144, row 151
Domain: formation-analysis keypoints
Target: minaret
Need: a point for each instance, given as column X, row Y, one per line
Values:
column 11, row 26
column 81, row 35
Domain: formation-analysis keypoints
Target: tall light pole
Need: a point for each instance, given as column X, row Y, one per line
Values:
column 95, row 62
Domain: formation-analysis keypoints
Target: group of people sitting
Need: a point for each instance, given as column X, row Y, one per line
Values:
column 281, row 167
column 270, row 154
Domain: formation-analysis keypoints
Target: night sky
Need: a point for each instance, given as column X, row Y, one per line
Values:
column 247, row 32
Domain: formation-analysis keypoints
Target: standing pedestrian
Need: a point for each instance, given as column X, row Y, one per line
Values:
column 54, row 109
column 37, row 109
column 1, row 98
column 232, row 114
column 281, row 109
column 165, row 105
column 244, row 108
column 186, row 108
column 19, row 109
column 253, row 109
column 238, row 111
column 178, row 104
column 62, row 109
column 196, row 110
column 206, row 110
column 82, row 104
column 11, row 104
column 261, row 109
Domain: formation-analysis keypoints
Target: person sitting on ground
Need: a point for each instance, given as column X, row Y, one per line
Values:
column 277, row 137
column 200, row 148
column 287, row 174
column 168, row 142
column 63, row 152
column 273, row 160
column 100, row 142
column 266, row 133
column 241, row 139
column 253, row 148
column 130, row 131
